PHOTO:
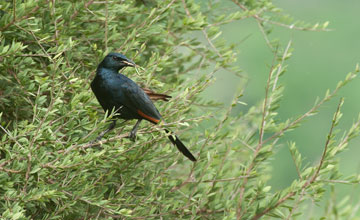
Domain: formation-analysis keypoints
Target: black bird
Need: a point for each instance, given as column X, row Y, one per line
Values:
column 114, row 91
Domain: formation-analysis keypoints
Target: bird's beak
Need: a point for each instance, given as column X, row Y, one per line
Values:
column 129, row 63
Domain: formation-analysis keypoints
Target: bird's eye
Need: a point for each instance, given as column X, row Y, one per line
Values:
column 116, row 58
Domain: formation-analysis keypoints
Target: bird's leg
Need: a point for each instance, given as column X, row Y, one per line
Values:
column 134, row 130
column 112, row 126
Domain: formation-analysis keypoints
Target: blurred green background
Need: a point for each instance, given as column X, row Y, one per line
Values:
column 319, row 61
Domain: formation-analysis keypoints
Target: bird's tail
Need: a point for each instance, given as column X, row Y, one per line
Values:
column 180, row 146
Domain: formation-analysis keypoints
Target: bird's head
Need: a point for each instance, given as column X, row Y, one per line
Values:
column 116, row 61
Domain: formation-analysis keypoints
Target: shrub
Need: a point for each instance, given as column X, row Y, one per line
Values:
column 49, row 168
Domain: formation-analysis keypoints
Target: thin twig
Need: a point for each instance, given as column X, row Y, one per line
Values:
column 297, row 168
column 203, row 31
column 262, row 20
column 327, row 141
column 239, row 211
column 106, row 25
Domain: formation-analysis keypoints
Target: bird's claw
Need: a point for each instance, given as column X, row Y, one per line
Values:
column 132, row 136
column 93, row 144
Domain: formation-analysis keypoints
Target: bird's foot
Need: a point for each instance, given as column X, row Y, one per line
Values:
column 94, row 144
column 132, row 136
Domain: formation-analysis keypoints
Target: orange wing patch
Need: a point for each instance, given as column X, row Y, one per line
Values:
column 142, row 114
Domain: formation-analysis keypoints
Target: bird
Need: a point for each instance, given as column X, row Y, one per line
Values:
column 116, row 92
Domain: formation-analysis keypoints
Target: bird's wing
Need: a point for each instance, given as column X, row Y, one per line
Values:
column 136, row 99
column 156, row 96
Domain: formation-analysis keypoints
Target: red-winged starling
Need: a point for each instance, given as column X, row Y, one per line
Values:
column 115, row 91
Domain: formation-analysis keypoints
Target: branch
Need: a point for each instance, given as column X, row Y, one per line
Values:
column 313, row 178
column 22, row 18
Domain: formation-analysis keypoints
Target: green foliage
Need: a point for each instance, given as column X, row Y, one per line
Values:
column 49, row 169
